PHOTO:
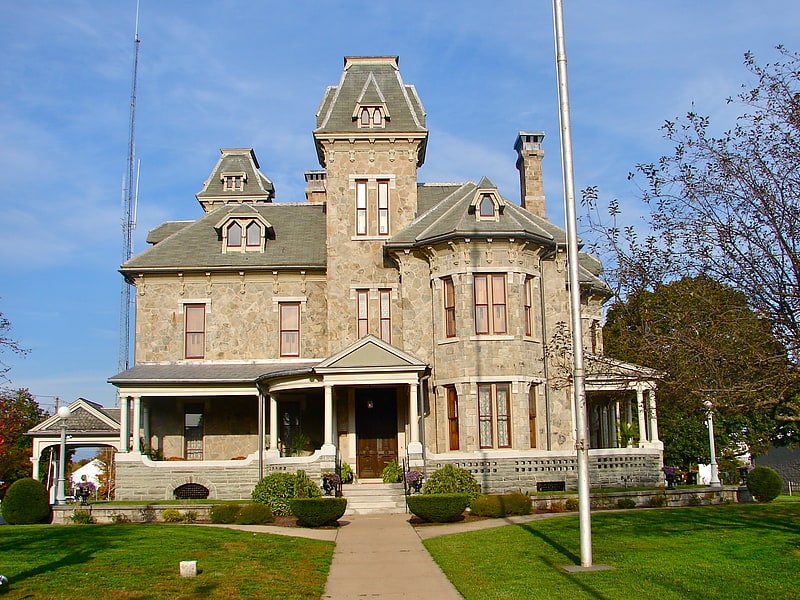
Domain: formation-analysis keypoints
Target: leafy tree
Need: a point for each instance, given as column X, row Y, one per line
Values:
column 713, row 347
column 18, row 413
column 726, row 206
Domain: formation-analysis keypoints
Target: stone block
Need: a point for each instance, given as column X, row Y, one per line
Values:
column 188, row 568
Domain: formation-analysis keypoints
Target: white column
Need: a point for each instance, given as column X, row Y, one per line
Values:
column 146, row 426
column 35, row 462
column 328, row 447
column 260, row 436
column 414, row 445
column 642, row 425
column 124, row 442
column 137, row 424
column 273, row 451
column 653, row 416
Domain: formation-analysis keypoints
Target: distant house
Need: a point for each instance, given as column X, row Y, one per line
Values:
column 89, row 472
column 378, row 319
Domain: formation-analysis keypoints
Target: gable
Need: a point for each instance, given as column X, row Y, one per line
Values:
column 85, row 417
column 371, row 353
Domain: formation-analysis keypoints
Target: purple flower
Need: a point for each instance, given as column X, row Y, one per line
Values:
column 413, row 476
column 669, row 471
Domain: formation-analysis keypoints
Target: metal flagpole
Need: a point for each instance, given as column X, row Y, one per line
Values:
column 578, row 382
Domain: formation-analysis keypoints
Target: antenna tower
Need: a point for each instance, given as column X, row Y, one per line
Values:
column 130, row 192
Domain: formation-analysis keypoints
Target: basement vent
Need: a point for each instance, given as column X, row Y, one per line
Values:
column 191, row 491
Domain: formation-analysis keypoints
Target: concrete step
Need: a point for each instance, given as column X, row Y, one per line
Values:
column 368, row 498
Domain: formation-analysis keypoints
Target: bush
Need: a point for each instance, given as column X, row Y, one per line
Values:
column 764, row 483
column 346, row 473
column 452, row 480
column 571, row 504
column 304, row 487
column 26, row 501
column 657, row 501
column 315, row 512
column 501, row 505
column 224, row 513
column 120, row 518
column 626, row 503
column 275, row 491
column 254, row 514
column 82, row 517
column 557, row 507
column 392, row 472
column 171, row 515
column 190, row 516
column 438, row 508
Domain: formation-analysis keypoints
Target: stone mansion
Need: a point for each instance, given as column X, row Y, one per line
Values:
column 378, row 319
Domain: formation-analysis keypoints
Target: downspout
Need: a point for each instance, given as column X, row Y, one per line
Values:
column 542, row 257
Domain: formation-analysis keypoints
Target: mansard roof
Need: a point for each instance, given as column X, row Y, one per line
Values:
column 299, row 241
column 236, row 161
column 453, row 217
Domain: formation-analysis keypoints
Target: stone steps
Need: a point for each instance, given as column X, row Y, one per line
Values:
column 371, row 498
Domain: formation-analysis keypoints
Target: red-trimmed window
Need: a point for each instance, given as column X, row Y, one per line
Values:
column 195, row 329
column 532, row 394
column 490, row 304
column 486, row 206
column 528, row 306
column 363, row 312
column 383, row 208
column 193, row 431
column 449, row 307
column 452, row 417
column 386, row 315
column 253, row 234
column 494, row 415
column 361, row 208
column 290, row 328
column 234, row 235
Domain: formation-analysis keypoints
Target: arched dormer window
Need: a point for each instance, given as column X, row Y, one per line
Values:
column 486, row 206
column 368, row 116
column 234, row 235
column 253, row 234
column 365, row 118
column 377, row 118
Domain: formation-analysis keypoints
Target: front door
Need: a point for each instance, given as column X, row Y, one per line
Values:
column 376, row 430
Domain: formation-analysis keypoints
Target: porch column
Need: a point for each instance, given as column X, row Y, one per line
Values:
column 137, row 424
column 35, row 460
column 260, row 436
column 124, row 441
column 414, row 446
column 642, row 426
column 146, row 427
column 653, row 417
column 328, row 447
column 273, row 451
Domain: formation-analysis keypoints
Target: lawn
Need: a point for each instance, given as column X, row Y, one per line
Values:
column 135, row 561
column 737, row 551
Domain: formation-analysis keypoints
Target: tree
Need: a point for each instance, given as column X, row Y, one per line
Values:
column 7, row 343
column 725, row 206
column 713, row 347
column 19, row 412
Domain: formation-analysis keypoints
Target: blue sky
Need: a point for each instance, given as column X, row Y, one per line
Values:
column 241, row 73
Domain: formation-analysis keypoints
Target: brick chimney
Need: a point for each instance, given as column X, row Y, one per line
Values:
column 529, row 164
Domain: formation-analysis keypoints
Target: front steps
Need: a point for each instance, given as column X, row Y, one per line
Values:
column 374, row 497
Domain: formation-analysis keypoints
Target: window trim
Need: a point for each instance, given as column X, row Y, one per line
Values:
column 449, row 298
column 499, row 421
column 362, row 215
column 362, row 313
column 252, row 226
column 194, row 408
column 487, row 293
column 533, row 397
column 201, row 341
column 228, row 229
column 385, row 297
column 284, row 329
column 451, row 398
column 382, row 203
column 528, row 306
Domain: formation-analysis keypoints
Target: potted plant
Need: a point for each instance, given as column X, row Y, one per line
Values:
column 669, row 475
column 414, row 481
column 83, row 489
column 331, row 483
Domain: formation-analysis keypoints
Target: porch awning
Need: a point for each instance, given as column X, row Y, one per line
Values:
column 189, row 373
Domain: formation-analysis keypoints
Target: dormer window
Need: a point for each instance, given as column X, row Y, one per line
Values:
column 253, row 235
column 235, row 235
column 233, row 182
column 370, row 116
column 486, row 206
column 244, row 233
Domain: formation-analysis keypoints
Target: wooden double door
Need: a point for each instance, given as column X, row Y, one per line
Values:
column 376, row 430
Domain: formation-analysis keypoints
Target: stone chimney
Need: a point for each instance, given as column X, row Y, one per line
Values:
column 315, row 186
column 529, row 164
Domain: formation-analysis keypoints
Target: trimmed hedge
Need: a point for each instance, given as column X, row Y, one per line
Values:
column 224, row 513
column 254, row 514
column 501, row 505
column 26, row 502
column 452, row 480
column 764, row 483
column 438, row 508
column 315, row 512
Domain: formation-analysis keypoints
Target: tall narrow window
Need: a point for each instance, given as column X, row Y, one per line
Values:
column 490, row 303
column 527, row 307
column 234, row 235
column 452, row 417
column 193, row 431
column 494, row 415
column 290, row 328
column 487, row 206
column 361, row 208
column 386, row 315
column 532, row 414
column 195, row 329
column 253, row 234
column 449, row 307
column 503, row 399
column 485, row 416
column 377, row 117
column 383, row 208
column 363, row 313
column 365, row 117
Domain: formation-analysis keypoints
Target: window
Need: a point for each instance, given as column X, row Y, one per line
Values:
column 386, row 315
column 383, row 208
column 452, row 417
column 363, row 313
column 490, row 303
column 370, row 116
column 233, row 182
column 195, row 329
column 361, row 208
column 532, row 393
column 486, row 206
column 528, row 306
column 290, row 328
column 253, row 234
column 449, row 307
column 494, row 415
column 193, row 431
column 234, row 235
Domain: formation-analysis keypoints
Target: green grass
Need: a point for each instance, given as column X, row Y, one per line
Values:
column 142, row 562
column 737, row 551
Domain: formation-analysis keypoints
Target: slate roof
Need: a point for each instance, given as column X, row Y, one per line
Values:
column 299, row 241
column 207, row 373
column 81, row 421
column 165, row 230
column 237, row 160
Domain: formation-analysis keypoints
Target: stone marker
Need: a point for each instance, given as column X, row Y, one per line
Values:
column 188, row 568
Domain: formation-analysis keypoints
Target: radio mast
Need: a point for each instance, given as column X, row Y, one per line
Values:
column 130, row 193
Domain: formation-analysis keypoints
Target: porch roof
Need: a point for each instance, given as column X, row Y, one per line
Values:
column 228, row 373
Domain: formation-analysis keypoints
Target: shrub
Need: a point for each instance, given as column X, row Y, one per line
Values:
column 171, row 515
column 657, row 501
column 517, row 503
column 695, row 500
column 315, row 512
column 275, row 491
column 557, row 507
column 501, row 505
column 571, row 504
column 190, row 516
column 82, row 517
column 438, row 508
column 452, row 480
column 26, row 502
column 224, row 513
column 764, row 483
column 120, row 518
column 487, row 505
column 392, row 472
column 304, row 487
column 254, row 514
column 626, row 503
column 346, row 473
